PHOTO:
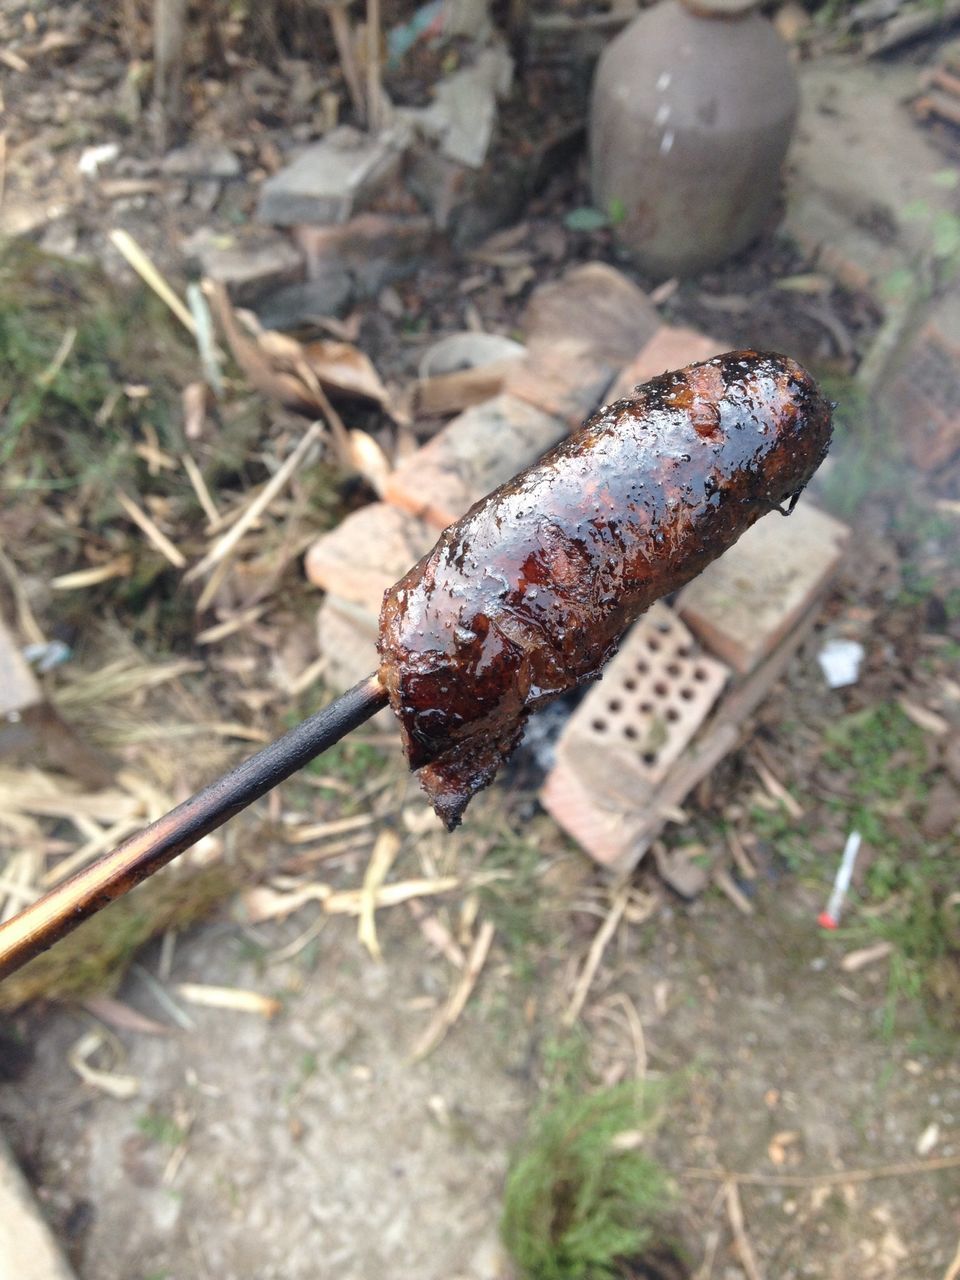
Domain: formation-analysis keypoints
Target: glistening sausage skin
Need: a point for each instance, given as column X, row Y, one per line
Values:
column 528, row 594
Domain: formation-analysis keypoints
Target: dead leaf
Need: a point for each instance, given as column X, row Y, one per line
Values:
column 344, row 370
column 122, row 1017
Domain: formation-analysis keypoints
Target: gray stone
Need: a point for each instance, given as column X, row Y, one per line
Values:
column 28, row 1250
column 248, row 261
column 461, row 118
column 204, row 159
column 329, row 179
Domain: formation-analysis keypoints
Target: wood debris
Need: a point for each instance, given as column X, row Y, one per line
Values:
column 236, row 999
column 457, row 1001
column 114, row 1084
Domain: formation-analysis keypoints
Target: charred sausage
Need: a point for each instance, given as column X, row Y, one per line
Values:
column 529, row 593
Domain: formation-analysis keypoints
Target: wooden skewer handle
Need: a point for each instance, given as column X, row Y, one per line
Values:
column 48, row 919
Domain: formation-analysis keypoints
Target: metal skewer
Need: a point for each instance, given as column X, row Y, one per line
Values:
column 48, row 919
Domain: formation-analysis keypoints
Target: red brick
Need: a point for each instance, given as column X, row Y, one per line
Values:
column 669, row 348
column 746, row 602
column 622, row 741
column 367, row 552
column 579, row 332
column 473, row 454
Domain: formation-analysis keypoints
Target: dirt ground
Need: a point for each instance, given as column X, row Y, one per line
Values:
column 311, row 1144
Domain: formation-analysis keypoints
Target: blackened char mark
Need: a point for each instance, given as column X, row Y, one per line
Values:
column 529, row 593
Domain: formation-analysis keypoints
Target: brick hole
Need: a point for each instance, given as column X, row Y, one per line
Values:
column 699, row 673
column 661, row 689
column 642, row 668
column 664, row 627
column 672, row 714
column 630, row 732
column 599, row 725
column 686, row 693
column 683, row 651
column 614, row 705
column 673, row 669
column 649, row 757
column 645, row 708
column 630, row 685
column 653, row 644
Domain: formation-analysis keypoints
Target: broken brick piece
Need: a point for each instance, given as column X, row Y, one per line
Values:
column 580, row 330
column 669, row 348
column 368, row 251
column 367, row 552
column 474, row 453
column 743, row 604
column 328, row 179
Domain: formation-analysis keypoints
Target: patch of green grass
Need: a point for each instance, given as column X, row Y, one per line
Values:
column 161, row 1129
column 70, row 341
column 581, row 1196
column 882, row 755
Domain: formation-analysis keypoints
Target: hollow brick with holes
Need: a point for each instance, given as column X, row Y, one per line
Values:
column 631, row 728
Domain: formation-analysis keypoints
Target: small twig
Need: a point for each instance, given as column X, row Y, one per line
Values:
column 47, row 375
column 385, row 850
column 153, row 534
column 457, row 1002
column 220, row 630
column 343, row 39
column 374, row 94
column 259, row 504
column 742, row 1240
column 128, row 248
column 195, row 476
column 728, row 886
column 740, row 856
column 775, row 788
column 595, row 955
column 32, row 631
column 636, row 1031
column 833, row 1178
column 953, row 1270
